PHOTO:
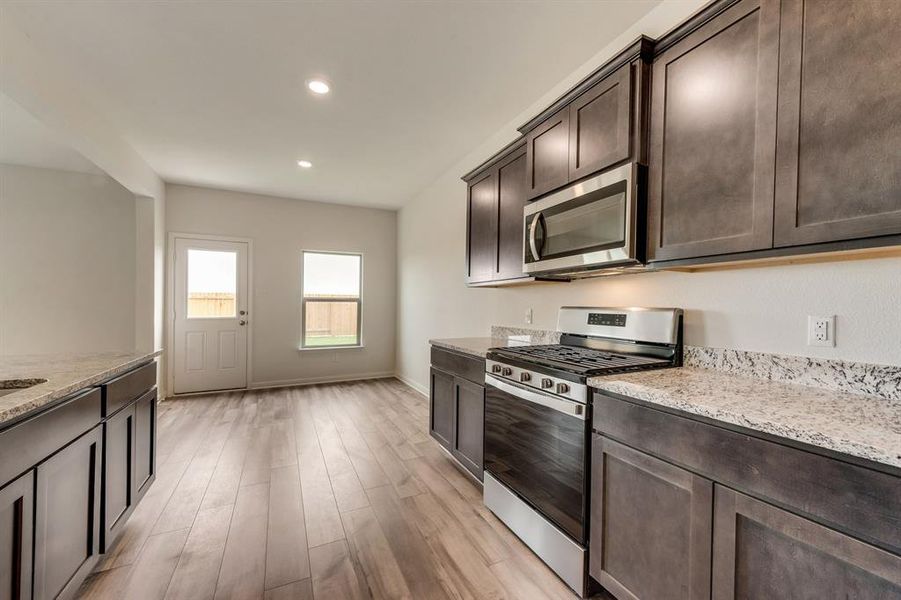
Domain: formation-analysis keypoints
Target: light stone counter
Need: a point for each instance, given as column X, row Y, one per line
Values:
column 473, row 346
column 864, row 426
column 64, row 375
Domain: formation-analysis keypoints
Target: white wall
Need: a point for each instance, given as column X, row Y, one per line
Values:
column 762, row 309
column 67, row 263
column 280, row 229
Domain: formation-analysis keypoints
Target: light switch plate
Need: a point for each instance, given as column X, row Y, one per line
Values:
column 821, row 331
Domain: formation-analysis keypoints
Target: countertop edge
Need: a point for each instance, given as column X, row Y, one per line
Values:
column 793, row 433
column 47, row 399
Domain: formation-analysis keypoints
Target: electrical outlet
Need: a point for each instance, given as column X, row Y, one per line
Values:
column 528, row 316
column 821, row 331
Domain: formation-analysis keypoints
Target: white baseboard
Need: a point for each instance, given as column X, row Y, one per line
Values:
column 412, row 384
column 279, row 383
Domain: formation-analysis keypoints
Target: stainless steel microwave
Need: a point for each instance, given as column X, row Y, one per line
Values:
column 590, row 226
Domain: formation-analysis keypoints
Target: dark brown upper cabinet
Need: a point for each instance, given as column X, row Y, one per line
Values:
column 481, row 225
column 494, row 222
column 547, row 148
column 838, row 175
column 599, row 125
column 713, row 136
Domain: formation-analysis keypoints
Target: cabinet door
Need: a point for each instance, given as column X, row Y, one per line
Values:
column 511, row 199
column 599, row 125
column 713, row 136
column 481, row 246
column 145, row 443
column 441, row 413
column 67, row 517
column 761, row 551
column 16, row 527
column 118, row 472
column 547, row 149
column 469, row 429
column 650, row 526
column 839, row 176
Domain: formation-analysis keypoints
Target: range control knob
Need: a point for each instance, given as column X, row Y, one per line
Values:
column 495, row 368
column 546, row 383
column 507, row 372
column 562, row 388
column 525, row 376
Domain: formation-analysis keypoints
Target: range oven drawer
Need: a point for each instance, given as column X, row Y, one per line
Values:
column 537, row 446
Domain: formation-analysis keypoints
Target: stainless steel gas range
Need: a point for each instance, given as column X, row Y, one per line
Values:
column 538, row 424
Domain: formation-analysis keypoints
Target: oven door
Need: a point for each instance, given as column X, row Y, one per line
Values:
column 536, row 444
column 588, row 225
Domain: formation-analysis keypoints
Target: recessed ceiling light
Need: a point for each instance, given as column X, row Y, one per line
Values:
column 318, row 86
column 304, row 164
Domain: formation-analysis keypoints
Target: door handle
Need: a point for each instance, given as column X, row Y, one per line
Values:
column 532, row 245
column 242, row 322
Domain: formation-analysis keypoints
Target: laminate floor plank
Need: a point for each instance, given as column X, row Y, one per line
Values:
column 243, row 570
column 151, row 573
column 334, row 575
column 299, row 590
column 287, row 552
column 198, row 566
column 320, row 492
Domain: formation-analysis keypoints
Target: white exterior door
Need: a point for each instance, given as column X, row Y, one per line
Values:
column 210, row 329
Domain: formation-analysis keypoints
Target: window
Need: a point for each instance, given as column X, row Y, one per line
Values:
column 330, row 307
column 212, row 280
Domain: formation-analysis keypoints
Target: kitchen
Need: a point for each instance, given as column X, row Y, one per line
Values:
column 428, row 387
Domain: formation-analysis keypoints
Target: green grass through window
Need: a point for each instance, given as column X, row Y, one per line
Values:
column 331, row 340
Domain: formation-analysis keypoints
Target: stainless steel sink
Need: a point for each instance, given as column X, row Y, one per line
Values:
column 9, row 386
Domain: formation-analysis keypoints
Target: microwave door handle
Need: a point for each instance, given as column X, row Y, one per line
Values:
column 532, row 229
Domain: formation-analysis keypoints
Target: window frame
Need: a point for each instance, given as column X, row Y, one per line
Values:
column 303, row 302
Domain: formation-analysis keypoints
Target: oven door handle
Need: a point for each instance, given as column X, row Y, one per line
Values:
column 567, row 407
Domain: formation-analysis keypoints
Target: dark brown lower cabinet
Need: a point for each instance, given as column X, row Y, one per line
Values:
column 761, row 551
column 469, row 425
column 441, row 404
column 457, row 407
column 145, row 443
column 67, row 517
column 650, row 526
column 16, row 528
column 118, row 473
column 457, row 418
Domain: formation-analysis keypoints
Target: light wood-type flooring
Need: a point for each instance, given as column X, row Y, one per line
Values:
column 329, row 492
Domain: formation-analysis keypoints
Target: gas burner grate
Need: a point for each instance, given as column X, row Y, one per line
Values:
column 586, row 359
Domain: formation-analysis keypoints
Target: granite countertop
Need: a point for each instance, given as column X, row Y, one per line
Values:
column 864, row 426
column 63, row 375
column 474, row 346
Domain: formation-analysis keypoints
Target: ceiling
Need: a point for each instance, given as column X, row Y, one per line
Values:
column 25, row 141
column 213, row 93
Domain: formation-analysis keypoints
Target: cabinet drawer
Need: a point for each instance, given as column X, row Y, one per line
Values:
column 467, row 367
column 27, row 443
column 123, row 389
column 862, row 502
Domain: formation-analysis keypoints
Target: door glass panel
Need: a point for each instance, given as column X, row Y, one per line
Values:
column 212, row 281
